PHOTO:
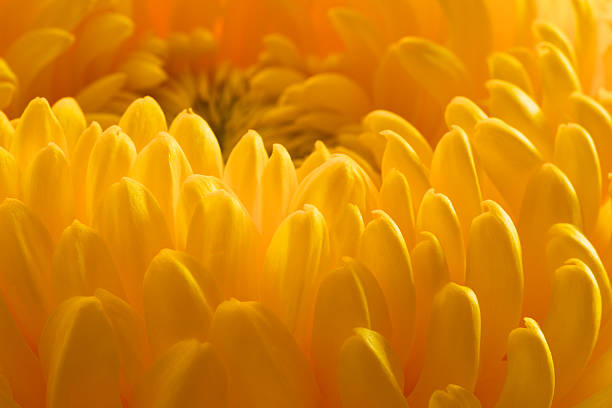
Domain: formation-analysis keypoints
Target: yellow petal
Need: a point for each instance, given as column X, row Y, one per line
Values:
column 336, row 183
column 71, row 118
column 572, row 323
column 345, row 234
column 384, row 252
column 434, row 67
column 549, row 199
column 48, row 190
column 341, row 305
column 437, row 215
column 62, row 14
column 189, row 374
column 464, row 113
column 512, row 105
column 369, row 372
column 430, row 275
column 453, row 343
column 175, row 308
column 110, row 159
column 132, row 224
column 8, row 85
column 379, row 120
column 266, row 369
column 600, row 399
column 295, row 263
column 565, row 241
column 93, row 96
column 335, row 92
column 129, row 330
column 102, row 34
column 19, row 363
column 396, row 200
column 494, row 272
column 199, row 143
column 82, row 263
column 278, row 184
column 597, row 122
column 453, row 397
column 9, row 175
column 317, row 157
column 586, row 39
column 576, row 156
column 399, row 155
column 25, row 262
column 34, row 50
column 193, row 192
column 37, row 128
column 142, row 121
column 453, row 173
column 508, row 68
column 547, row 32
column 7, row 132
column 244, row 169
column 79, row 161
column 77, row 337
column 162, row 167
column 507, row 157
column 559, row 81
column 530, row 379
column 144, row 71
column 230, row 257
column 470, row 32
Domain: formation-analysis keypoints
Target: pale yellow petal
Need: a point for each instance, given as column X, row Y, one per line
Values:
column 71, row 118
column 576, row 156
column 25, row 262
column 341, row 305
column 512, row 105
column 77, row 337
column 369, row 372
column 79, row 162
column 396, row 200
column 495, row 273
column 384, row 252
column 453, row 173
column 437, row 215
column 111, row 158
column 37, row 127
column 278, row 185
column 175, row 308
column 243, row 172
column 19, row 363
column 162, row 167
column 129, row 329
column 464, row 113
column 9, row 175
column 549, row 199
column 506, row 67
column 294, row 265
column 199, row 143
column 399, row 155
column 265, row 367
column 190, row 374
column 379, row 120
column 82, row 263
column 48, row 190
column 508, row 158
column 142, row 121
column 453, row 343
column 530, row 379
column 231, row 258
column 572, row 323
column 132, row 224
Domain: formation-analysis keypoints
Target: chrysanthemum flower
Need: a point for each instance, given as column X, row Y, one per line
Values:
column 421, row 218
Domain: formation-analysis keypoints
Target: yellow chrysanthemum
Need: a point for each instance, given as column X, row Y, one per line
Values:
column 403, row 204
